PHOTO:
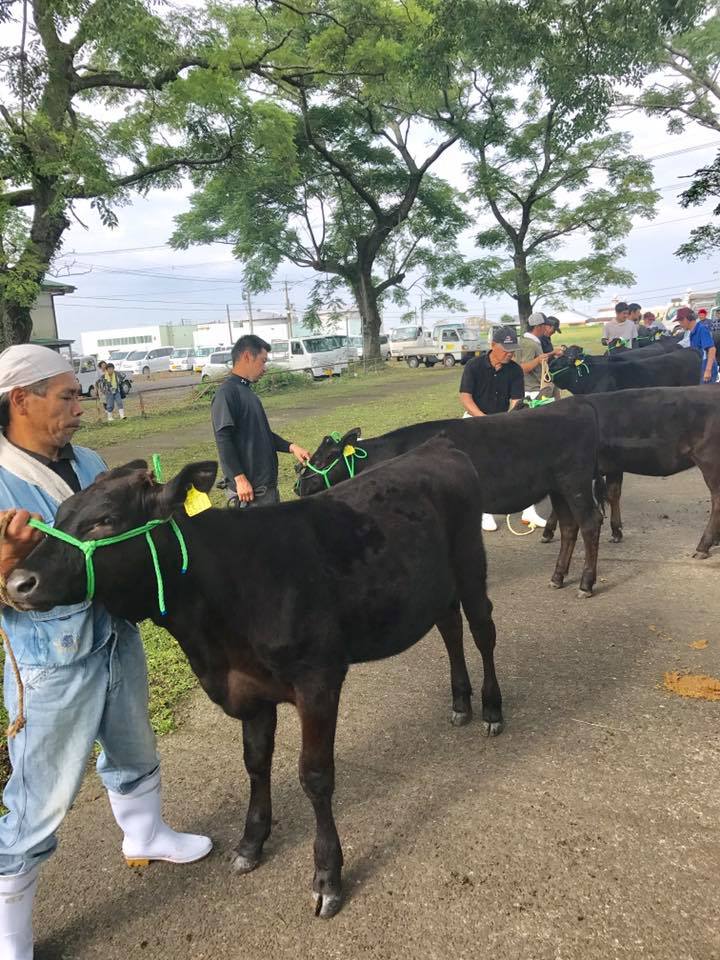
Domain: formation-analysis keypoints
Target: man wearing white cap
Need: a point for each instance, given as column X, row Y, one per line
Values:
column 83, row 671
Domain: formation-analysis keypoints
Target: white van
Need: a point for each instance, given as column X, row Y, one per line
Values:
column 87, row 372
column 313, row 356
column 155, row 360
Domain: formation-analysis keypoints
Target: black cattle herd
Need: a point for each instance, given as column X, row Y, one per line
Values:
column 257, row 611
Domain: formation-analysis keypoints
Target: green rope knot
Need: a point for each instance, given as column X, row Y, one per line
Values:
column 350, row 454
column 88, row 548
column 539, row 402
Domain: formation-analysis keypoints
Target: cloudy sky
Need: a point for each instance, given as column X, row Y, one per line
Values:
column 129, row 276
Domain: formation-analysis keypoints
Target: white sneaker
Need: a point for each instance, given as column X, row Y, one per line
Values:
column 16, row 902
column 147, row 836
column 530, row 515
column 488, row 522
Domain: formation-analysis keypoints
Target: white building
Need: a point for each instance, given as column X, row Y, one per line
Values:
column 224, row 334
column 101, row 342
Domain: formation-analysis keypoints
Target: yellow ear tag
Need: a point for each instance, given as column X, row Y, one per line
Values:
column 578, row 363
column 349, row 450
column 196, row 501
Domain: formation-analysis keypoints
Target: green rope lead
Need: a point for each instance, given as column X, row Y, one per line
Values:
column 88, row 548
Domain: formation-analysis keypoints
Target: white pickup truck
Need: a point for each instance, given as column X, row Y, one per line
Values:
column 450, row 343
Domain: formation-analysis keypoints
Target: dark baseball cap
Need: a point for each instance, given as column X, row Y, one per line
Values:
column 506, row 337
column 554, row 322
column 685, row 313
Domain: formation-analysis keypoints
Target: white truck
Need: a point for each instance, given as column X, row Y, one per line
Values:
column 449, row 343
column 323, row 356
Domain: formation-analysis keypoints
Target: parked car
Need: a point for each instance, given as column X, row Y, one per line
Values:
column 86, row 370
column 183, row 358
column 313, row 356
column 218, row 365
column 155, row 360
column 449, row 344
column 357, row 342
column 201, row 355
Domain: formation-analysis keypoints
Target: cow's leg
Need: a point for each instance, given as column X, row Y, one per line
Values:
column 549, row 528
column 588, row 517
column 710, row 536
column 451, row 630
column 478, row 611
column 568, row 537
column 258, row 747
column 614, row 490
column 317, row 703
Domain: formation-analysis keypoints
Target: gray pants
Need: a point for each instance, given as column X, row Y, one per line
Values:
column 264, row 497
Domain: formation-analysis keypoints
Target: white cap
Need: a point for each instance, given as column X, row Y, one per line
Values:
column 28, row 363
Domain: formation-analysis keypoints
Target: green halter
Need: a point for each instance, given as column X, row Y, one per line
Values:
column 88, row 548
column 580, row 365
column 356, row 453
column 539, row 402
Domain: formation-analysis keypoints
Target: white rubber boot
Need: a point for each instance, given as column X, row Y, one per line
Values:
column 530, row 515
column 147, row 836
column 109, row 416
column 16, row 902
column 122, row 414
column 488, row 522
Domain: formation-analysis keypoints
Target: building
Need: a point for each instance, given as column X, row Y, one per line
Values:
column 101, row 342
column 44, row 320
column 224, row 334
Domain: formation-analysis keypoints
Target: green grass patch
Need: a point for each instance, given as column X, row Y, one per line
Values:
column 169, row 675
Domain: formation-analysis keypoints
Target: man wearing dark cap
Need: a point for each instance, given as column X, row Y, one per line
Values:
column 621, row 327
column 545, row 341
column 493, row 383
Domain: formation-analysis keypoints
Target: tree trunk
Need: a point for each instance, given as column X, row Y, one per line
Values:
column 367, row 301
column 522, row 288
column 15, row 323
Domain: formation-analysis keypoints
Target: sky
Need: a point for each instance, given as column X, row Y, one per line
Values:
column 129, row 276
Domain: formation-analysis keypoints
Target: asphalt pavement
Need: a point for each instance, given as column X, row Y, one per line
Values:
column 587, row 831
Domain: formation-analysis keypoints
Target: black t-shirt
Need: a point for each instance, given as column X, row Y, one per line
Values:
column 491, row 389
column 245, row 442
column 63, row 466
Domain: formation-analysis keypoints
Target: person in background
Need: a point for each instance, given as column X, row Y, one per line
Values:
column 635, row 313
column 493, row 383
column 531, row 355
column 703, row 318
column 247, row 447
column 545, row 338
column 110, row 385
column 621, row 327
column 700, row 339
column 651, row 322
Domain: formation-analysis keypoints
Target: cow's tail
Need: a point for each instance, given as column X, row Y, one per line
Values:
column 600, row 491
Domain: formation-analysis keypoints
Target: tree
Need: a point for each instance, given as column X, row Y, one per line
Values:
column 160, row 81
column 689, row 92
column 543, row 186
column 337, row 189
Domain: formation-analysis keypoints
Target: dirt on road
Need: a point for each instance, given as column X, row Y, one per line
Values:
column 587, row 831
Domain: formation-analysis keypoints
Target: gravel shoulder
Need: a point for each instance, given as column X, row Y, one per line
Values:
column 587, row 830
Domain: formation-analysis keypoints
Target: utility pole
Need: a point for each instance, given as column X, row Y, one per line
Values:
column 246, row 296
column 227, row 311
column 289, row 311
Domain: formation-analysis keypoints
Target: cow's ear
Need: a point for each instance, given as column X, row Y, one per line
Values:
column 199, row 475
column 351, row 437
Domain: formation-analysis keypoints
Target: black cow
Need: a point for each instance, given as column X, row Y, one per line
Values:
column 645, row 349
column 658, row 432
column 520, row 458
column 277, row 603
column 581, row 373
column 679, row 367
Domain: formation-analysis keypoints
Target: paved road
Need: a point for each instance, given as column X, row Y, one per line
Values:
column 587, row 831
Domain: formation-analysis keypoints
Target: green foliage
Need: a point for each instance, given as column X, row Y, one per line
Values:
column 541, row 189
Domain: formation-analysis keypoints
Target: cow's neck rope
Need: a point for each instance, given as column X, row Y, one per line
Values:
column 350, row 454
column 88, row 548
column 580, row 365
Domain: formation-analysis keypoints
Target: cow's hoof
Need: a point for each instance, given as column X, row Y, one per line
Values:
column 241, row 864
column 556, row 586
column 547, row 537
column 584, row 594
column 616, row 538
column 700, row 555
column 493, row 728
column 326, row 905
column 461, row 719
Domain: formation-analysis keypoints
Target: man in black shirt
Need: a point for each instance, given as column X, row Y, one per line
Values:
column 246, row 445
column 493, row 382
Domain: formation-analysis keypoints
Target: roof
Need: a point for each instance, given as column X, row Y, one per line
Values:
column 56, row 289
column 53, row 344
